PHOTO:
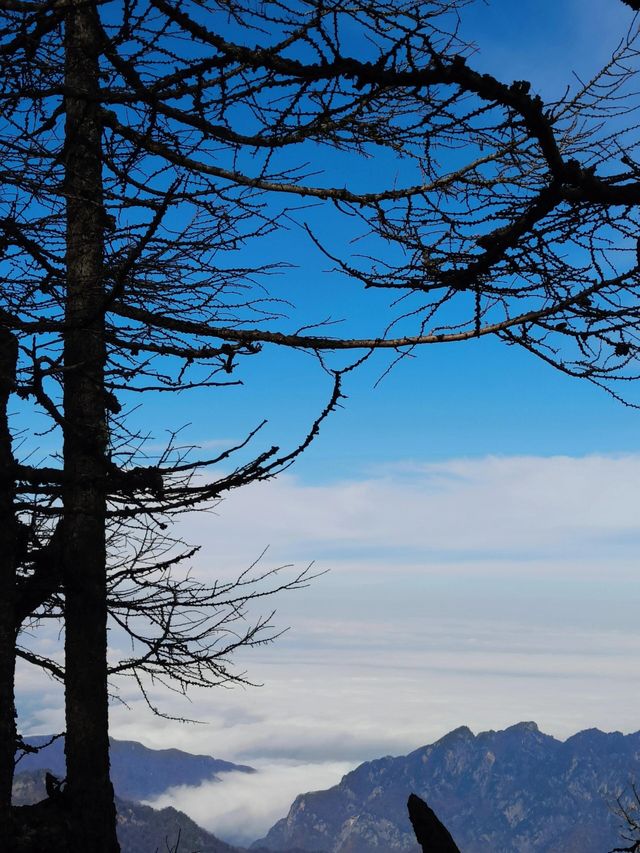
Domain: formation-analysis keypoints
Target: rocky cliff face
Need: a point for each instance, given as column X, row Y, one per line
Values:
column 512, row 791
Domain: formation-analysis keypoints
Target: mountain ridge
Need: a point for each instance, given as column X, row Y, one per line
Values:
column 516, row 790
column 137, row 771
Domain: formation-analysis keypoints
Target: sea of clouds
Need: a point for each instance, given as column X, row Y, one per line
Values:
column 479, row 592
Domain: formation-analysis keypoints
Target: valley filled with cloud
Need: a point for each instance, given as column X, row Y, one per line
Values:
column 474, row 592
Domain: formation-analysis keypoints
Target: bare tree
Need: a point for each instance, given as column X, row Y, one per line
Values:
column 8, row 358
column 170, row 627
column 144, row 147
column 627, row 812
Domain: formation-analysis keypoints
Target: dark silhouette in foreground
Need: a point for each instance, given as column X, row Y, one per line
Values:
column 432, row 835
column 45, row 825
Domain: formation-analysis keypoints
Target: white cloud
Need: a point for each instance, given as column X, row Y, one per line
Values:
column 475, row 591
column 554, row 506
column 241, row 808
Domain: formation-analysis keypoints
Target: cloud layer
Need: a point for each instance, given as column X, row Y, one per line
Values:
column 526, row 506
column 242, row 808
column 478, row 592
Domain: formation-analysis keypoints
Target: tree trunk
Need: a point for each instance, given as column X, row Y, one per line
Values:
column 85, row 446
column 8, row 530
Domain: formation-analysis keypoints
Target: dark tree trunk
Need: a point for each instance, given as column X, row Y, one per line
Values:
column 85, row 445
column 8, row 531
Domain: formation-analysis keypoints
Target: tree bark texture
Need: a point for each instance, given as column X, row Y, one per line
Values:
column 8, row 560
column 85, row 445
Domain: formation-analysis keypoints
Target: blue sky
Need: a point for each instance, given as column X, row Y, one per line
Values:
column 469, row 399
column 477, row 513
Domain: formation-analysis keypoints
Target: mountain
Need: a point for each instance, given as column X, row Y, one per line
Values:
column 138, row 773
column 511, row 791
column 141, row 829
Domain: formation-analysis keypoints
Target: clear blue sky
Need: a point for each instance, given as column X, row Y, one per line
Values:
column 465, row 399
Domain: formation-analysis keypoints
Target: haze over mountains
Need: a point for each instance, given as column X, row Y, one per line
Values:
column 511, row 791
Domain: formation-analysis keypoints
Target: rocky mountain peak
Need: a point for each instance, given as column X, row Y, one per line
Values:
column 513, row 791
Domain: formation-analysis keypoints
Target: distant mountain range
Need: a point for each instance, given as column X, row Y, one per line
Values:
column 138, row 773
column 511, row 791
